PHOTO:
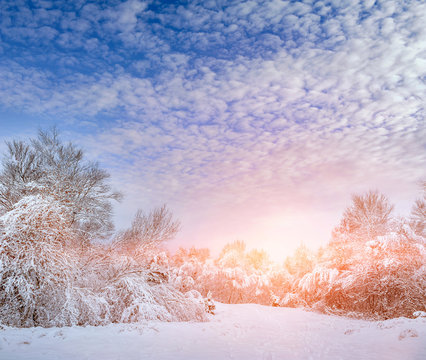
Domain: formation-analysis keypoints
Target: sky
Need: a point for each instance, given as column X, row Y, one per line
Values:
column 252, row 120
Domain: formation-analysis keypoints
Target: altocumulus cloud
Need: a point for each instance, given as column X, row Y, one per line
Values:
column 233, row 112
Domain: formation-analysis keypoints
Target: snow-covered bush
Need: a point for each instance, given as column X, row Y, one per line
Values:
column 302, row 261
column 236, row 276
column 390, row 282
column 374, row 266
column 136, row 292
column 46, row 280
column 386, row 278
column 138, row 283
column 280, row 284
column 37, row 264
column 314, row 286
column 292, row 300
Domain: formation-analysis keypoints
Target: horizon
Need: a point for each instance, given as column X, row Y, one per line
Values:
column 251, row 121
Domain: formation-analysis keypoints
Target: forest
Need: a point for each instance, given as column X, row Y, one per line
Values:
column 62, row 263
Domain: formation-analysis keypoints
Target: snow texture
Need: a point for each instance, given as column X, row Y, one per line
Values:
column 246, row 332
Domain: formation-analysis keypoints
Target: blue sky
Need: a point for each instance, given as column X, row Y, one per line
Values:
column 252, row 120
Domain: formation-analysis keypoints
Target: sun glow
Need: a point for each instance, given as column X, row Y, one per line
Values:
column 278, row 233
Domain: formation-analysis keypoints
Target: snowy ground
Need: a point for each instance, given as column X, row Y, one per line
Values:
column 236, row 332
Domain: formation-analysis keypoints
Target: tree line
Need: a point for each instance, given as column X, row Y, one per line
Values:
column 54, row 205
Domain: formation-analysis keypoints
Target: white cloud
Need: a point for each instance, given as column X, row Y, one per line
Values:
column 124, row 16
column 330, row 107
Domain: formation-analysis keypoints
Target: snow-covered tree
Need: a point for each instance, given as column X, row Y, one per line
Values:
column 148, row 232
column 258, row 259
column 233, row 277
column 368, row 216
column 389, row 282
column 184, row 255
column 382, row 278
column 232, row 254
column 301, row 262
column 418, row 214
column 46, row 166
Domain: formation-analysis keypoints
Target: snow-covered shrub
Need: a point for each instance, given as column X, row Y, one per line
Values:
column 37, row 265
column 143, row 261
column 374, row 266
column 135, row 292
column 292, row 300
column 240, row 276
column 389, row 281
column 234, row 277
column 280, row 284
column 46, row 280
column 314, row 286
column 302, row 262
column 396, row 279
